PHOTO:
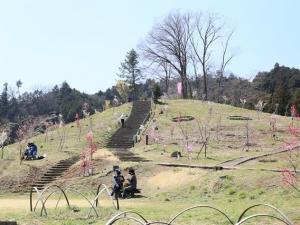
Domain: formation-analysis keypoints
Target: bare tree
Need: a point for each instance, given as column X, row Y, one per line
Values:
column 204, row 135
column 225, row 59
column 162, row 70
column 168, row 43
column 167, row 73
column 203, row 32
column 196, row 74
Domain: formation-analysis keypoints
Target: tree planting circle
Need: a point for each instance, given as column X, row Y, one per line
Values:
column 182, row 118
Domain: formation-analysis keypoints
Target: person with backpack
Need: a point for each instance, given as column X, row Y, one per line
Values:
column 118, row 183
column 30, row 152
column 33, row 148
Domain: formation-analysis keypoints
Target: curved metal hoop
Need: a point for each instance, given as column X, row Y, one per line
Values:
column 200, row 206
column 66, row 189
column 124, row 215
column 96, row 199
column 93, row 203
column 30, row 196
column 262, row 215
column 108, row 193
column 141, row 220
column 129, row 218
column 43, row 202
column 117, row 206
column 92, row 207
column 268, row 206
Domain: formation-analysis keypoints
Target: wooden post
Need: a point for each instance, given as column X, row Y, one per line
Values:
column 147, row 139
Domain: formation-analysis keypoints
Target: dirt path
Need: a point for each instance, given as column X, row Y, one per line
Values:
column 22, row 203
column 242, row 160
column 232, row 164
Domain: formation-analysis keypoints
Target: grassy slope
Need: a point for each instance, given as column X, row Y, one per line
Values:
column 241, row 187
column 169, row 190
column 232, row 133
column 104, row 124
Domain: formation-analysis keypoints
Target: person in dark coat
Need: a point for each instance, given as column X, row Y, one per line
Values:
column 27, row 152
column 131, row 188
column 30, row 152
column 118, row 183
column 33, row 151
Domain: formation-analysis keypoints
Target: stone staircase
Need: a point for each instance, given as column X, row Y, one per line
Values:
column 123, row 137
column 54, row 172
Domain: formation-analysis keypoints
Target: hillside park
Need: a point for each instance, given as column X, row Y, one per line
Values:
column 216, row 157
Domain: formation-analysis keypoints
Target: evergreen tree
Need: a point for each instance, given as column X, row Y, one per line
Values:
column 156, row 93
column 130, row 71
column 4, row 102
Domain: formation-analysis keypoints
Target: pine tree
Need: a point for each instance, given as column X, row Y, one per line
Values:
column 130, row 71
column 4, row 101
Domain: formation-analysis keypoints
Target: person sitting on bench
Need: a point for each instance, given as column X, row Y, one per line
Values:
column 118, row 183
column 131, row 188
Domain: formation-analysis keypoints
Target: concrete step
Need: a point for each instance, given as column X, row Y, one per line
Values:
column 122, row 139
column 54, row 172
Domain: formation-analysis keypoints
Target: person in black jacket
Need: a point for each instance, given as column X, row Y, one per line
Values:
column 118, row 183
column 132, row 184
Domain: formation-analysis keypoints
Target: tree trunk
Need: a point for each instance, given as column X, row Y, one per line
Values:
column 167, row 85
column 190, row 88
column 184, row 87
column 205, row 86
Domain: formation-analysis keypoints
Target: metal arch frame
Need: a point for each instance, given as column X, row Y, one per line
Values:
column 268, row 206
column 280, row 217
column 124, row 214
column 44, row 203
column 108, row 193
column 96, row 199
column 262, row 215
column 200, row 206
column 40, row 197
column 129, row 218
column 70, row 187
column 93, row 203
column 82, row 195
column 30, row 196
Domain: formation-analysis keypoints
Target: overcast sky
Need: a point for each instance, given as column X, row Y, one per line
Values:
column 83, row 42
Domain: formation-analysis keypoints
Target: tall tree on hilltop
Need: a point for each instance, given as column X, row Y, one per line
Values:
column 130, row 71
column 163, row 72
column 168, row 43
column 203, row 32
column 19, row 85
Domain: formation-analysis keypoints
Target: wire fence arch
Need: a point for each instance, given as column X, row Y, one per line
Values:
column 44, row 195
